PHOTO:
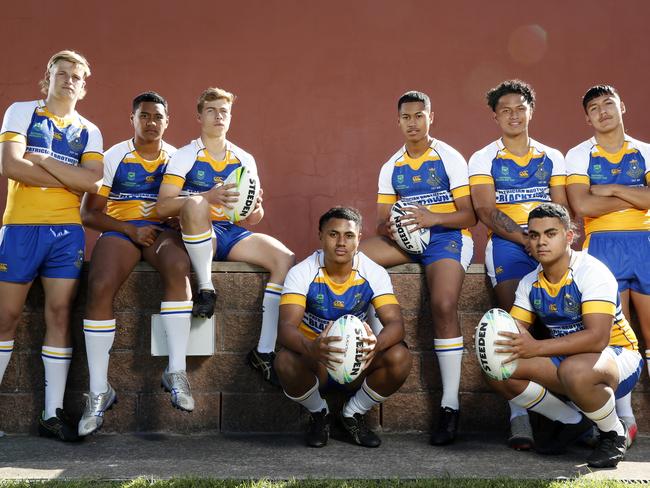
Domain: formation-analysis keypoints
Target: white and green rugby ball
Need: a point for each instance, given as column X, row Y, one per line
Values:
column 248, row 185
column 487, row 331
column 352, row 332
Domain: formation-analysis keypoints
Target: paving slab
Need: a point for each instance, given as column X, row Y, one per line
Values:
column 222, row 456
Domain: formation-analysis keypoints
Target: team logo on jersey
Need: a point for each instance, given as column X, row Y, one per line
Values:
column 433, row 179
column 634, row 171
column 80, row 259
column 200, row 174
column 505, row 170
column 338, row 304
column 537, row 303
column 217, row 179
column 57, row 136
column 571, row 305
column 498, row 270
column 130, row 175
column 552, row 307
column 523, row 174
column 40, row 130
column 597, row 168
column 74, row 139
column 616, row 171
column 416, row 179
column 3, row 267
column 400, row 178
column 541, row 174
column 150, row 179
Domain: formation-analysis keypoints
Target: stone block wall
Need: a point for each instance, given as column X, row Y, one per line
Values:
column 231, row 397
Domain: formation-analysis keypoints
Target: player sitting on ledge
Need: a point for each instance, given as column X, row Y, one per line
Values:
column 592, row 356
column 333, row 282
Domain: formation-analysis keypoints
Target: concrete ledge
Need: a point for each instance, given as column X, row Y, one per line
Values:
column 230, row 396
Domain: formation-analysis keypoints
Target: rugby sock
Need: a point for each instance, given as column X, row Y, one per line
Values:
column 99, row 335
column 270, row 311
column 6, row 348
column 538, row 399
column 199, row 248
column 516, row 410
column 606, row 419
column 311, row 400
column 647, row 359
column 177, row 319
column 624, row 407
column 373, row 321
column 56, row 361
column 450, row 357
column 363, row 400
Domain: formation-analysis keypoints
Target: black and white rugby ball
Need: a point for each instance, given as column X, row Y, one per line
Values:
column 414, row 242
column 352, row 332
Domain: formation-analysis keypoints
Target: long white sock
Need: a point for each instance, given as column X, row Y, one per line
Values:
column 99, row 335
column 363, row 400
column 605, row 417
column 199, row 249
column 177, row 319
column 311, row 400
column 270, row 312
column 6, row 348
column 647, row 359
column 450, row 357
column 624, row 406
column 538, row 399
column 56, row 361
column 373, row 320
column 516, row 410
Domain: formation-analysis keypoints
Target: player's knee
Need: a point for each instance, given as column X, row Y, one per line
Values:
column 444, row 307
column 195, row 210
column 58, row 315
column 574, row 373
column 286, row 364
column 398, row 361
column 177, row 268
column 101, row 290
column 283, row 262
column 9, row 320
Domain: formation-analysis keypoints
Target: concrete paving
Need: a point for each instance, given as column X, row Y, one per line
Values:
column 403, row 456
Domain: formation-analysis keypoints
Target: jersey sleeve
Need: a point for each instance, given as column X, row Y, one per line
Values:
column 457, row 171
column 577, row 164
column 558, row 173
column 296, row 284
column 94, row 150
column 386, row 192
column 480, row 169
column 15, row 123
column 112, row 159
column 598, row 287
column 179, row 165
column 522, row 309
column 379, row 281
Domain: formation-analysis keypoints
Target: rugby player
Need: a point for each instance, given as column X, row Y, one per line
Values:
column 508, row 178
column 333, row 282
column 431, row 176
column 131, row 231
column 592, row 355
column 608, row 177
column 51, row 156
column 193, row 189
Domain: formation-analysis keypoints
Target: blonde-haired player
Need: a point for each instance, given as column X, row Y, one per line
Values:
column 51, row 156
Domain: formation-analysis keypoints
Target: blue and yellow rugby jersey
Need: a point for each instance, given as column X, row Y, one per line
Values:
column 589, row 164
column 72, row 140
column 131, row 183
column 520, row 183
column 193, row 170
column 309, row 286
column 587, row 287
column 434, row 180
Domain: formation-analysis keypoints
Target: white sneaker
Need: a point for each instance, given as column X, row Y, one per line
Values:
column 632, row 429
column 93, row 415
column 176, row 383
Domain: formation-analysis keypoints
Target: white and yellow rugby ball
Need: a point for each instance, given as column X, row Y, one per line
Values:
column 414, row 242
column 352, row 332
column 248, row 186
column 487, row 331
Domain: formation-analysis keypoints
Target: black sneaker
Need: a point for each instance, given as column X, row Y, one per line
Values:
column 445, row 433
column 562, row 435
column 59, row 427
column 609, row 450
column 359, row 431
column 319, row 428
column 263, row 362
column 203, row 305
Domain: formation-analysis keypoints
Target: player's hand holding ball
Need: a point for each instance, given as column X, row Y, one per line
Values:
column 320, row 349
column 371, row 344
column 222, row 195
column 418, row 217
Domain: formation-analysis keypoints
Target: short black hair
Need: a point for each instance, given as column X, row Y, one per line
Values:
column 506, row 88
column 551, row 210
column 598, row 91
column 345, row 213
column 414, row 96
column 149, row 96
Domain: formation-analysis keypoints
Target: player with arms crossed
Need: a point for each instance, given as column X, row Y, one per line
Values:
column 333, row 282
column 431, row 176
column 51, row 156
column 508, row 178
column 193, row 189
column 592, row 356
column 131, row 230
column 608, row 177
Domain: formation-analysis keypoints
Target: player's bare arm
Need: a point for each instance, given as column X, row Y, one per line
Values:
column 493, row 218
column 586, row 204
column 558, row 195
column 383, row 220
column 93, row 216
column 84, row 178
column 390, row 315
column 15, row 166
column 637, row 196
column 170, row 201
column 422, row 218
column 258, row 214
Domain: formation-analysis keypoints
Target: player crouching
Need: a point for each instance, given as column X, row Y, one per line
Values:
column 333, row 282
column 592, row 356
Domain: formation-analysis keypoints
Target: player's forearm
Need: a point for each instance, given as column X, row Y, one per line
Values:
column 98, row 220
column 256, row 217
column 28, row 173
column 502, row 225
column 392, row 333
column 75, row 178
column 588, row 205
column 170, row 206
column 290, row 337
column 638, row 197
column 460, row 219
column 584, row 341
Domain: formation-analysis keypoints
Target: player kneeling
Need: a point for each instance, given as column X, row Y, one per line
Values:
column 333, row 282
column 592, row 356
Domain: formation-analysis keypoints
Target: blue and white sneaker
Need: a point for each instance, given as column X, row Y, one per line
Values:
column 96, row 405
